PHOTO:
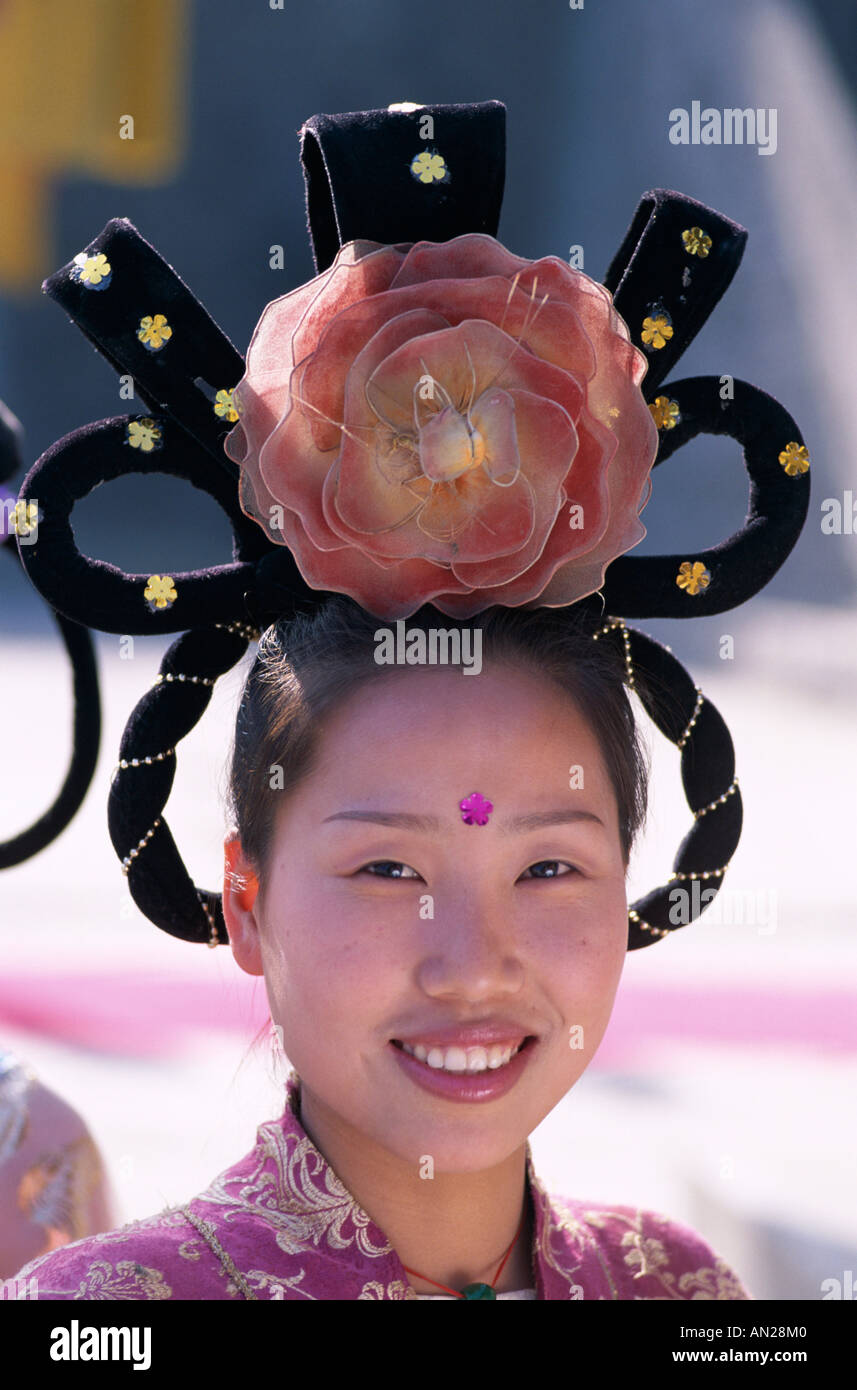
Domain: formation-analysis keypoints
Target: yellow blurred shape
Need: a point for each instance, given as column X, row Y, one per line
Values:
column 69, row 73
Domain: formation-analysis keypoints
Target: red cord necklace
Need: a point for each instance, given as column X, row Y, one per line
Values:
column 472, row 1290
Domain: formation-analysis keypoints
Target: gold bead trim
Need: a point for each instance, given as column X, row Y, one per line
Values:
column 608, row 627
column 150, row 758
column 661, row 931
column 242, row 629
column 620, row 623
column 196, row 680
column 214, row 939
column 703, row 810
column 693, row 718
column 126, row 862
column 207, row 1233
column 707, row 873
column 647, row 926
column 718, row 800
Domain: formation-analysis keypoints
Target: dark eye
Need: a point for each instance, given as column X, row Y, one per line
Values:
column 550, row 868
column 380, row 867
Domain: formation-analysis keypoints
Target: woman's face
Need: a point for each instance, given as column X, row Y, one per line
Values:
column 384, row 918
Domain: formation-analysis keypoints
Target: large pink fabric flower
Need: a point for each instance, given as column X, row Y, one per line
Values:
column 445, row 422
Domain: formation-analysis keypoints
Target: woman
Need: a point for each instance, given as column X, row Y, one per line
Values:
column 439, row 978
column 428, row 870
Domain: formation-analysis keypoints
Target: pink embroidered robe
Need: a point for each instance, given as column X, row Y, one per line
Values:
column 289, row 1229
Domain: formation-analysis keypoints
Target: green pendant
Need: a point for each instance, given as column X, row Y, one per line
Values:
column 478, row 1291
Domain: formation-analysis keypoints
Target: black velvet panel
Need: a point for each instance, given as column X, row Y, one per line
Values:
column 86, row 733
column 86, row 739
column 11, row 434
column 359, row 184
column 645, row 586
column 142, row 284
column 102, row 594
column 669, row 697
column 653, row 269
column 157, row 879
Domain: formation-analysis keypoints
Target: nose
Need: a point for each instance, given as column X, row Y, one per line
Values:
column 470, row 950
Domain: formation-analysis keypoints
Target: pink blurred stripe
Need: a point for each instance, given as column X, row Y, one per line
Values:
column 131, row 1015
column 155, row 1015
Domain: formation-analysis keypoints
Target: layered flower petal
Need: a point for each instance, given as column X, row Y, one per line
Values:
column 446, row 422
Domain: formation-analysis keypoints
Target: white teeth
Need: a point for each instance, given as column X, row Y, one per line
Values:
column 455, row 1059
column 460, row 1059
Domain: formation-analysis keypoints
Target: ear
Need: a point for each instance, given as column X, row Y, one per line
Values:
column 240, row 906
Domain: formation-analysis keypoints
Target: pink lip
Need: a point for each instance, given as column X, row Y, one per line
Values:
column 465, row 1086
column 486, row 1034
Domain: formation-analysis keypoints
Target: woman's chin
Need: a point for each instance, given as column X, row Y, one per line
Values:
column 442, row 1152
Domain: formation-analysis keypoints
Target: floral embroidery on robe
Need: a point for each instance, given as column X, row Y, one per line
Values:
column 280, row 1224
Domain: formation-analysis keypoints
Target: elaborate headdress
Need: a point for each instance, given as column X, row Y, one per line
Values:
column 431, row 420
column 19, row 526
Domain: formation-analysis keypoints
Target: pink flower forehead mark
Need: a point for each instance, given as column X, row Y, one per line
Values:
column 475, row 809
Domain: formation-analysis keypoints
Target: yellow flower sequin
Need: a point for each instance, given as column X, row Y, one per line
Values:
column 92, row 269
column 428, row 167
column 693, row 576
column 154, row 331
column 696, row 242
column 143, row 434
column 24, row 518
column 160, row 590
column 794, row 458
column 657, row 331
column 665, row 413
column 225, row 407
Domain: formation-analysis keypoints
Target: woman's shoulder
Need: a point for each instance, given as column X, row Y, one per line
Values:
column 158, row 1257
column 644, row 1254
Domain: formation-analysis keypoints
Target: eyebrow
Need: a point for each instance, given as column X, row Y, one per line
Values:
column 409, row 820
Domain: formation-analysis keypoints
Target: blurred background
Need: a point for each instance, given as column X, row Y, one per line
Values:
column 724, row 1091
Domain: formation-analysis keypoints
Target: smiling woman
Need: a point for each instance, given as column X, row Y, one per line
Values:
column 438, row 982
column 428, row 871
column 411, row 960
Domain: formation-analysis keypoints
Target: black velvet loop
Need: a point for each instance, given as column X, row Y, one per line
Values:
column 279, row 590
column 86, row 738
column 11, row 435
column 141, row 285
column 654, row 272
column 100, row 594
column 670, row 698
column 170, row 899
column 157, row 878
column 710, row 744
column 359, row 182
column 645, row 586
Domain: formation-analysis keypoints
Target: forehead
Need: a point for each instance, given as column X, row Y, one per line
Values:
column 433, row 723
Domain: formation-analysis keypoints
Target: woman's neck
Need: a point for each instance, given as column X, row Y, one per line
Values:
column 453, row 1228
